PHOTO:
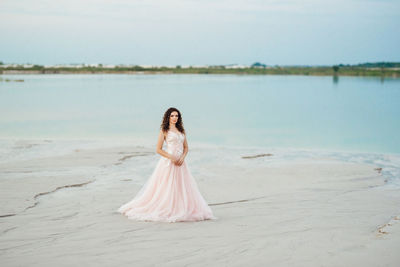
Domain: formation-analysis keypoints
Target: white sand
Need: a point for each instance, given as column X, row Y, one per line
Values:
column 306, row 212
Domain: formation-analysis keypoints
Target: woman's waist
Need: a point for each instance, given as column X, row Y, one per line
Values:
column 175, row 149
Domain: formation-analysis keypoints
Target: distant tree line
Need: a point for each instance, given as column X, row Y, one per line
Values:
column 382, row 69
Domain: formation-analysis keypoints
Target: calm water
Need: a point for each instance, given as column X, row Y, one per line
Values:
column 351, row 114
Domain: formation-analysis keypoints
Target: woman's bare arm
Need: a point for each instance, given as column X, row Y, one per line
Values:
column 185, row 148
column 159, row 149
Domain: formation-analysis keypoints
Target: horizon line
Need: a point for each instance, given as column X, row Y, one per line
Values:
column 196, row 65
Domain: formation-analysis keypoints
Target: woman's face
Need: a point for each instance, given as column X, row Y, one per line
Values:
column 173, row 118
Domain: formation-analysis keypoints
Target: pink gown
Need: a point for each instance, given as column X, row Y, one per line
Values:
column 171, row 194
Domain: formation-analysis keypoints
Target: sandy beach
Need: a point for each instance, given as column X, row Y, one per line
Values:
column 274, row 208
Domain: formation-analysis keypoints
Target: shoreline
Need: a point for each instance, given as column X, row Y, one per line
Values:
column 312, row 71
column 121, row 141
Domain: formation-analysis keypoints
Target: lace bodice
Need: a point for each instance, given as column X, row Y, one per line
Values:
column 174, row 141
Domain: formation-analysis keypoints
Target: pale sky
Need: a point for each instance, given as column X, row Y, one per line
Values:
column 164, row 32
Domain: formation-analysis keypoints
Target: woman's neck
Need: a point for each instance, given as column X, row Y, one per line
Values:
column 173, row 128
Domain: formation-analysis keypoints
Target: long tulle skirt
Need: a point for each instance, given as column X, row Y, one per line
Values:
column 170, row 195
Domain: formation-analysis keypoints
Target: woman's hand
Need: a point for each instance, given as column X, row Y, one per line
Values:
column 173, row 159
column 176, row 159
column 179, row 162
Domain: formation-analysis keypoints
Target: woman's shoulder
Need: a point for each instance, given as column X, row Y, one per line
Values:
column 163, row 133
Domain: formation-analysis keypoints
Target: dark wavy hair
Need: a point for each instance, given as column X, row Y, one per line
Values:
column 165, row 122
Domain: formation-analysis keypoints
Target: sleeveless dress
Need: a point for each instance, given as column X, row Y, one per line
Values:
column 171, row 194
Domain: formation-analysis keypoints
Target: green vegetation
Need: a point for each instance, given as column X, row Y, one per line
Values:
column 335, row 69
column 10, row 80
column 380, row 65
column 258, row 64
column 382, row 69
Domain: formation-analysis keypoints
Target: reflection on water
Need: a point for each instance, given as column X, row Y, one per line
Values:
column 335, row 79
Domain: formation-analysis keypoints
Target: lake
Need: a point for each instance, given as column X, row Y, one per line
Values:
column 285, row 111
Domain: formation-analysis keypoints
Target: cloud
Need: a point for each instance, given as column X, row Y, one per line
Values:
column 134, row 11
column 188, row 31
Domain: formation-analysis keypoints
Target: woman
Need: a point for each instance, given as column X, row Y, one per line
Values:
column 171, row 193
